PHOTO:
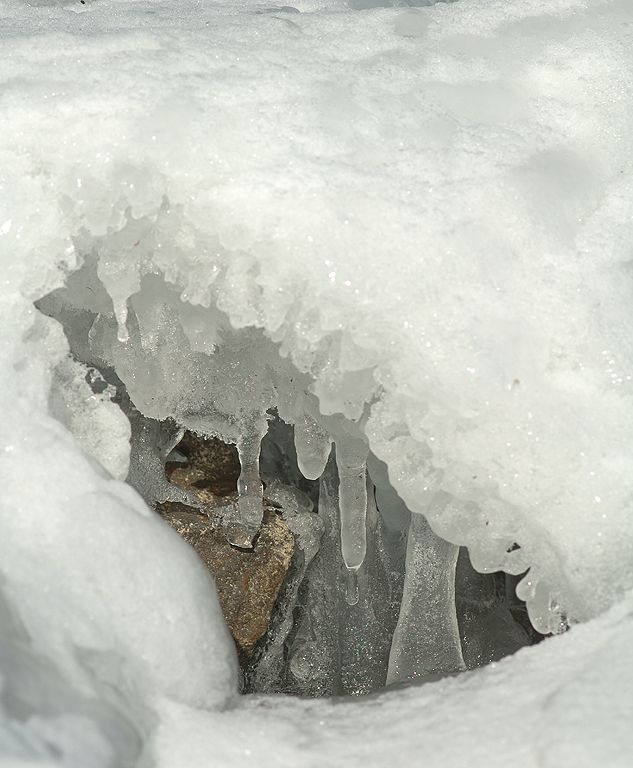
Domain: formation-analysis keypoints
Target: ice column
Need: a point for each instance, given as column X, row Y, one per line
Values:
column 351, row 461
column 340, row 646
column 426, row 641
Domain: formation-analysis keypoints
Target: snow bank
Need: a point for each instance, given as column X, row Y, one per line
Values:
column 102, row 607
column 565, row 702
column 407, row 229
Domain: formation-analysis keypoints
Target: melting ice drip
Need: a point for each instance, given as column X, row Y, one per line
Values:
column 351, row 462
column 243, row 530
column 313, row 445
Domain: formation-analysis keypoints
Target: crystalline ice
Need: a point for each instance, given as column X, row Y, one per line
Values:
column 351, row 458
column 85, row 408
column 426, row 641
column 484, row 604
column 249, row 487
column 351, row 587
column 344, row 619
column 267, row 670
column 149, row 451
column 418, row 228
column 313, row 446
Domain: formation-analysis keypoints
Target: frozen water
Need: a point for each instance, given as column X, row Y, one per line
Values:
column 267, row 671
column 249, row 487
column 344, row 619
column 351, row 460
column 491, row 620
column 409, row 227
column 494, row 356
column 426, row 641
column 80, row 399
column 313, row 446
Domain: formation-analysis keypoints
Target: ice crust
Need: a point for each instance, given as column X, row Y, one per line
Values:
column 407, row 229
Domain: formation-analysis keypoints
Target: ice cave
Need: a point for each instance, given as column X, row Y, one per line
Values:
column 334, row 298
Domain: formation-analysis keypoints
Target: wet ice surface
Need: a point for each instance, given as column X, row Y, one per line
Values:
column 405, row 229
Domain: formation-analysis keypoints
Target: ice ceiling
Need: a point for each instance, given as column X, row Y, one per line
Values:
column 405, row 230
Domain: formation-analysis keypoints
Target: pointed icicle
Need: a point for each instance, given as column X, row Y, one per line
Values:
column 426, row 641
column 246, row 526
column 313, row 445
column 351, row 461
column 351, row 588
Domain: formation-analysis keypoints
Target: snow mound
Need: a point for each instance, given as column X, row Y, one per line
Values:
column 405, row 229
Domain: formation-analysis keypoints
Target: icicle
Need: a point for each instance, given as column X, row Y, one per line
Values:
column 313, row 445
column 120, row 312
column 351, row 587
column 426, row 641
column 249, row 486
column 351, row 458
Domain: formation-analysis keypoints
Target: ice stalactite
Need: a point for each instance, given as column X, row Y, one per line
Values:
column 121, row 318
column 347, row 596
column 313, row 445
column 351, row 587
column 351, row 461
column 340, row 646
column 426, row 641
column 245, row 527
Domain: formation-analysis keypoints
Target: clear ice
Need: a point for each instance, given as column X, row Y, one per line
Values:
column 351, row 461
column 244, row 529
column 426, row 641
column 228, row 387
column 313, row 445
column 438, row 266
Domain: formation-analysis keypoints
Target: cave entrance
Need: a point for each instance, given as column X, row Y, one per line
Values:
column 331, row 586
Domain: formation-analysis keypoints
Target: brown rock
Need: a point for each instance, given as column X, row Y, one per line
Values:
column 211, row 465
column 247, row 581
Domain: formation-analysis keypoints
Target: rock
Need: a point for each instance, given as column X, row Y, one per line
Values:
column 247, row 580
column 210, row 465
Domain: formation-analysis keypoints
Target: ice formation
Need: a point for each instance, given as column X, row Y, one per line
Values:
column 405, row 232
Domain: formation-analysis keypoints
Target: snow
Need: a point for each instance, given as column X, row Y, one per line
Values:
column 562, row 703
column 405, row 228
